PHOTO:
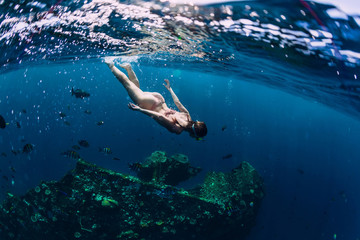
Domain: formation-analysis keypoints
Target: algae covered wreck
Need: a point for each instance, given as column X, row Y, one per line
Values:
column 95, row 203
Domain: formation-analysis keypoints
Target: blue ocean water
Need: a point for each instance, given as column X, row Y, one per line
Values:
column 275, row 88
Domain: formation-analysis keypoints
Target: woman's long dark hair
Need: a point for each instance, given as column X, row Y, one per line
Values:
column 198, row 128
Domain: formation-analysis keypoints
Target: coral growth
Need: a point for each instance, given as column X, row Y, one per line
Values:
column 167, row 170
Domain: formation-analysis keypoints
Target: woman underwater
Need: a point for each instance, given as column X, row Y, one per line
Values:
column 153, row 104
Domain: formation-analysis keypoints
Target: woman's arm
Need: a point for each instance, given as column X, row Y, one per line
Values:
column 161, row 119
column 175, row 98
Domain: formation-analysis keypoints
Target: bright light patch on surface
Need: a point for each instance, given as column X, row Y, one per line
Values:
column 348, row 6
column 201, row 2
column 318, row 44
column 350, row 53
column 336, row 14
column 357, row 20
column 326, row 34
column 314, row 33
column 246, row 22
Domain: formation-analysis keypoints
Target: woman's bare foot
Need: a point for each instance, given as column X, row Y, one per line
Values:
column 109, row 61
column 130, row 72
column 126, row 66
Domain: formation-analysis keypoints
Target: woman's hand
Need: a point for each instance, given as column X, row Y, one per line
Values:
column 133, row 107
column 167, row 84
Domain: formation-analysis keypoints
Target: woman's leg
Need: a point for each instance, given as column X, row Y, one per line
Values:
column 131, row 74
column 134, row 92
column 143, row 99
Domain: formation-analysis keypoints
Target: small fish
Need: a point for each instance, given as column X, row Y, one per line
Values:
column 2, row 122
column 62, row 115
column 12, row 169
column 28, row 148
column 79, row 93
column 75, row 147
column 18, row 125
column 87, row 112
column 99, row 123
column 71, row 154
column 227, row 156
column 24, row 110
column 67, row 123
column 83, row 143
column 3, row 154
column 135, row 166
column 230, row 210
column 223, row 128
column 5, row 178
column 105, row 150
column 115, row 158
